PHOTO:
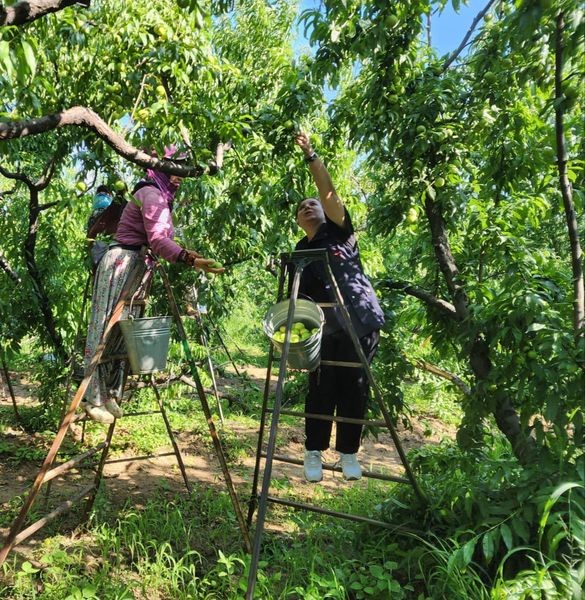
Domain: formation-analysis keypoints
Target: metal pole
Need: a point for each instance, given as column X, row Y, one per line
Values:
column 171, row 436
column 272, row 436
column 211, row 370
column 254, row 494
column 207, row 412
column 216, row 329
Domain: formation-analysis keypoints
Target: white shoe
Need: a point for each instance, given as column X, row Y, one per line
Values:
column 350, row 466
column 313, row 466
column 114, row 408
column 100, row 414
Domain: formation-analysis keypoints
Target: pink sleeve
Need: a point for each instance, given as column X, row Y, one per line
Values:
column 158, row 225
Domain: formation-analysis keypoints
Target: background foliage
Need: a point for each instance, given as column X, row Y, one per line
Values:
column 452, row 167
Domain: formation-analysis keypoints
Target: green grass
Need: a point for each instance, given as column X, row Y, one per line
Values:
column 174, row 546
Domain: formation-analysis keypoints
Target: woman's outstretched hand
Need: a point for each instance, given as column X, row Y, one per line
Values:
column 197, row 261
column 303, row 141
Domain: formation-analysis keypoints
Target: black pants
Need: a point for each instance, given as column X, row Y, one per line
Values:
column 343, row 391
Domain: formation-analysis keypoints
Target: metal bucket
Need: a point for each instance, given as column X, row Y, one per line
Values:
column 147, row 343
column 305, row 354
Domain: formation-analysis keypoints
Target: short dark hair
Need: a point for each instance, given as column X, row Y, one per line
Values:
column 103, row 189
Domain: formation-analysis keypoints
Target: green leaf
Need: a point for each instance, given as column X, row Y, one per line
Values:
column 521, row 529
column 28, row 568
column 506, row 533
column 487, row 545
column 467, row 551
column 535, row 327
column 5, row 58
column 29, row 57
column 558, row 492
column 377, row 571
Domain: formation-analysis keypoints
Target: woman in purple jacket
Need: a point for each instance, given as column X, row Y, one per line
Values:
column 339, row 390
column 145, row 223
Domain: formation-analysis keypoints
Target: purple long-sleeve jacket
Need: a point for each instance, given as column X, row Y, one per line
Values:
column 149, row 221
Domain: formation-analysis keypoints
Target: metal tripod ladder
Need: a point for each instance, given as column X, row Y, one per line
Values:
column 49, row 472
column 300, row 259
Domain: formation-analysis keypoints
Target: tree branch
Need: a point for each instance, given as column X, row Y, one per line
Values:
column 17, row 176
column 80, row 116
column 413, row 290
column 427, row 366
column 566, row 189
column 463, row 43
column 445, row 257
column 31, row 10
column 48, row 173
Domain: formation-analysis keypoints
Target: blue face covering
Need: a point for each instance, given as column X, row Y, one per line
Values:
column 101, row 201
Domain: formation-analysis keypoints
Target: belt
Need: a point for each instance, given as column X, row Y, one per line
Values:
column 136, row 248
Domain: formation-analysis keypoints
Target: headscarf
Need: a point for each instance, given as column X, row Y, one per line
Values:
column 162, row 180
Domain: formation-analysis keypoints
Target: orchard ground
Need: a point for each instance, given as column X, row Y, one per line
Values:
column 134, row 482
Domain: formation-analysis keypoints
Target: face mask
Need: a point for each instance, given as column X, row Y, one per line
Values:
column 101, row 201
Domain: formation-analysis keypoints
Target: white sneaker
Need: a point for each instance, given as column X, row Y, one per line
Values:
column 350, row 466
column 114, row 408
column 100, row 414
column 313, row 466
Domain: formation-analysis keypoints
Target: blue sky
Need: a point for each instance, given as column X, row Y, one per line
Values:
column 449, row 28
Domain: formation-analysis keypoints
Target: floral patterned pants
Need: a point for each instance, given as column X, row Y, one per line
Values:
column 112, row 276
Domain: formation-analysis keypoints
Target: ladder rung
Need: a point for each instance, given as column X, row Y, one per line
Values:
column 64, row 467
column 370, row 474
column 293, row 413
column 50, row 516
column 142, row 413
column 333, row 513
column 340, row 363
column 131, row 458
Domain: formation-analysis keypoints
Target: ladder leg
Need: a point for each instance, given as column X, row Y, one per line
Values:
column 211, row 370
column 99, row 472
column 171, row 436
column 224, row 346
column 254, row 493
column 206, row 411
column 262, row 503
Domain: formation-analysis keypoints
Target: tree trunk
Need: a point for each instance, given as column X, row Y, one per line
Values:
column 504, row 413
column 566, row 189
column 37, row 281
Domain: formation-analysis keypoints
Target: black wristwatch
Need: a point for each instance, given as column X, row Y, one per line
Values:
column 311, row 157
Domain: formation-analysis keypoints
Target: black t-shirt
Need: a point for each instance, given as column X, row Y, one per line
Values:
column 357, row 291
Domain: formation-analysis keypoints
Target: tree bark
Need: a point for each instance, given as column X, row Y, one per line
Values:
column 504, row 413
column 80, row 116
column 566, row 189
column 453, row 56
column 414, row 290
column 10, row 388
column 445, row 258
column 29, row 247
column 31, row 10
column 37, row 280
